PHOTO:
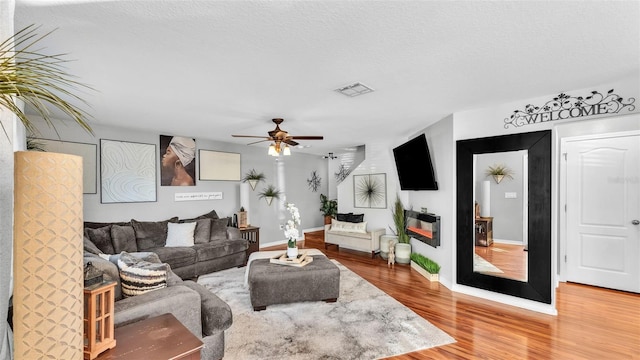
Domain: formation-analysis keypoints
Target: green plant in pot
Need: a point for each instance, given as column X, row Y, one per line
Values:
column 329, row 208
column 291, row 231
column 269, row 193
column 499, row 172
column 253, row 178
column 403, row 247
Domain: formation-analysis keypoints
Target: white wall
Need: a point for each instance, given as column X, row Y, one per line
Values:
column 289, row 174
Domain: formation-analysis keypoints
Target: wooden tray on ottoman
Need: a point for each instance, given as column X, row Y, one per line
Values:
column 301, row 260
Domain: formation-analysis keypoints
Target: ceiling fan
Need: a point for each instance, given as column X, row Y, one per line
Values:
column 278, row 136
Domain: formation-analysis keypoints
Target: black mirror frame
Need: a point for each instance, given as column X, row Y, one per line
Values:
column 538, row 287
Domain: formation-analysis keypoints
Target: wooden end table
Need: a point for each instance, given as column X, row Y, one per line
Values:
column 252, row 235
column 160, row 337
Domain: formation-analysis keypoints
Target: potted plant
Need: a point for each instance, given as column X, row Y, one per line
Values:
column 37, row 79
column 269, row 193
column 499, row 172
column 253, row 178
column 403, row 247
column 329, row 208
column 425, row 266
column 291, row 231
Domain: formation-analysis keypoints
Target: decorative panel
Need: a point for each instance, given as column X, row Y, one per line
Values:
column 48, row 271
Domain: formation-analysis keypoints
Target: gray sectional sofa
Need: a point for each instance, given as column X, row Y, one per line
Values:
column 216, row 245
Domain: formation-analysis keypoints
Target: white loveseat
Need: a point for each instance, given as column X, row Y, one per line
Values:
column 353, row 237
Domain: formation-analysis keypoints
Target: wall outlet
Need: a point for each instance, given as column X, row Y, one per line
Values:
column 510, row 195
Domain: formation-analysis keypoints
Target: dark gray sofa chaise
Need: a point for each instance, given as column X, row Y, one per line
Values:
column 199, row 310
column 217, row 246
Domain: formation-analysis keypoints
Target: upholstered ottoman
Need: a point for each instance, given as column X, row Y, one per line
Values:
column 271, row 284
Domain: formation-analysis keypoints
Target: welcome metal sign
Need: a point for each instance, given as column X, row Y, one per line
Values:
column 565, row 106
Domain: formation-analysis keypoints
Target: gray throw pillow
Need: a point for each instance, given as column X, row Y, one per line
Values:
column 203, row 231
column 101, row 238
column 151, row 234
column 219, row 229
column 90, row 247
column 123, row 239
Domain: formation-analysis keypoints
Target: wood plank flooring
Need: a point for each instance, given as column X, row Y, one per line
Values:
column 593, row 323
column 511, row 259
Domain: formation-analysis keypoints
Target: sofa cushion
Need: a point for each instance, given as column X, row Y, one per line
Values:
column 176, row 257
column 218, row 229
column 210, row 215
column 180, row 234
column 151, row 234
column 89, row 246
column 203, row 230
column 123, row 238
column 101, row 238
column 95, row 225
column 219, row 249
column 343, row 226
column 138, row 276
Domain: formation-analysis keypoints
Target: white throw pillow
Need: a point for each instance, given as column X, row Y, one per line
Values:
column 180, row 234
column 343, row 226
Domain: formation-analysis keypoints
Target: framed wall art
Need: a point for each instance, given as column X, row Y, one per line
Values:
column 127, row 172
column 370, row 191
column 217, row 165
column 89, row 154
column 177, row 161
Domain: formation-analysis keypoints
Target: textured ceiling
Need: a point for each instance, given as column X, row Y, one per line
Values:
column 210, row 69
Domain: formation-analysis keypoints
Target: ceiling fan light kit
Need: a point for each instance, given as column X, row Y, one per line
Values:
column 277, row 137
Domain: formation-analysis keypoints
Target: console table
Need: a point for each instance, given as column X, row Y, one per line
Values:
column 252, row 235
column 158, row 338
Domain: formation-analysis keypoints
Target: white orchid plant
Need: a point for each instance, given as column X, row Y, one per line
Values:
column 290, row 229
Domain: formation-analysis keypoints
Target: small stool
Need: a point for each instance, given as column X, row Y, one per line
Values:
column 271, row 284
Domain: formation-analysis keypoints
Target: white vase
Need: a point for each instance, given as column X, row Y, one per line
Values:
column 403, row 253
column 292, row 253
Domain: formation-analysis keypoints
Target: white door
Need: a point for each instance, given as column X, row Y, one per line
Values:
column 603, row 210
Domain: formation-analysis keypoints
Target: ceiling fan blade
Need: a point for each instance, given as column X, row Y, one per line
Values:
column 290, row 142
column 307, row 137
column 259, row 141
column 251, row 136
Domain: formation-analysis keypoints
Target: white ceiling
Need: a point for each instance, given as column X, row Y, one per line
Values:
column 209, row 69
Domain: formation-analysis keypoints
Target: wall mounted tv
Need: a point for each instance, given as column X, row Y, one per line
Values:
column 413, row 162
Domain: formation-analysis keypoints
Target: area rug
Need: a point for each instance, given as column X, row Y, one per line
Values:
column 483, row 266
column 365, row 323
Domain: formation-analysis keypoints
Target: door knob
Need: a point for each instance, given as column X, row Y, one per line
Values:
column 635, row 222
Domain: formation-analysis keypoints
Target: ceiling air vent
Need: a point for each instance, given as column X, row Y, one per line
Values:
column 354, row 89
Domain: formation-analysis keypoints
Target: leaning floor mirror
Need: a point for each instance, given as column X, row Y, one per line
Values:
column 527, row 222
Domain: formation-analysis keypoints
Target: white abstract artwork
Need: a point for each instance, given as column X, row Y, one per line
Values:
column 127, row 172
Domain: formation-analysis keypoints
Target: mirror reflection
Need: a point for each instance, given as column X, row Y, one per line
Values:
column 500, row 193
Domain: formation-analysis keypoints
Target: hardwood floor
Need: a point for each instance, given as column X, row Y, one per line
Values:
column 593, row 323
column 511, row 259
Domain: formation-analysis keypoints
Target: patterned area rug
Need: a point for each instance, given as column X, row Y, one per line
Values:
column 483, row 266
column 365, row 323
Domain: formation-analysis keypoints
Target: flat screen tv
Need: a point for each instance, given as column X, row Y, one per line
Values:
column 413, row 162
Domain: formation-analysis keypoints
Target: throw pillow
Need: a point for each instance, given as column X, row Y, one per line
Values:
column 151, row 234
column 180, row 234
column 203, row 230
column 343, row 217
column 139, row 276
column 101, row 238
column 210, row 215
column 356, row 218
column 89, row 246
column 219, row 229
column 123, row 238
column 343, row 226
